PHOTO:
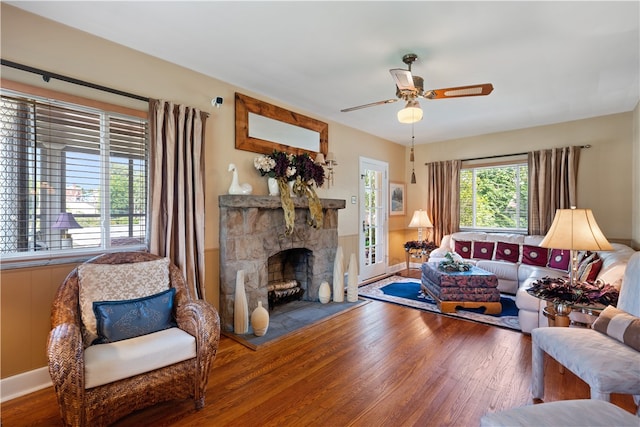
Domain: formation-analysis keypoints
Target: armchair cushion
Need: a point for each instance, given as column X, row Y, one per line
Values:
column 560, row 259
column 111, row 282
column 535, row 255
column 620, row 325
column 121, row 320
column 111, row 362
column 463, row 248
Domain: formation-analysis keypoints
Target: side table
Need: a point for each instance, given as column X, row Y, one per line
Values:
column 421, row 250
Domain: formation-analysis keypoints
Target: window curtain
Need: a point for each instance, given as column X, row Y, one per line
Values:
column 553, row 176
column 177, row 188
column 443, row 197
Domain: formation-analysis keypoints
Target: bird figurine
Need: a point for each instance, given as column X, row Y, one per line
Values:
column 236, row 188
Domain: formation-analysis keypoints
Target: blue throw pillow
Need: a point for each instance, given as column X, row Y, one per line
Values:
column 121, row 320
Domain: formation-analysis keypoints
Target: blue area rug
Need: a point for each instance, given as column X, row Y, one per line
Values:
column 406, row 292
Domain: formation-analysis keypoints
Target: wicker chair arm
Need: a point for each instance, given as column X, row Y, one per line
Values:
column 201, row 319
column 65, row 353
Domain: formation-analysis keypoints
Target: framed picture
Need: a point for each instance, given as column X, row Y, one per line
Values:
column 397, row 198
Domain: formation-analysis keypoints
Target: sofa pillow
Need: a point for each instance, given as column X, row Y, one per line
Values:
column 121, row 320
column 507, row 252
column 463, row 248
column 112, row 282
column 589, row 267
column 560, row 259
column 535, row 255
column 619, row 325
column 483, row 250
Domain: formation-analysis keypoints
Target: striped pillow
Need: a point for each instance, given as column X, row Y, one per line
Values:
column 620, row 325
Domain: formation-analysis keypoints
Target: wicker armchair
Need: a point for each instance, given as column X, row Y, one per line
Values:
column 103, row 404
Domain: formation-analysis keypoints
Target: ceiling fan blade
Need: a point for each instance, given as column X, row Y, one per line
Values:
column 388, row 101
column 403, row 78
column 460, row 91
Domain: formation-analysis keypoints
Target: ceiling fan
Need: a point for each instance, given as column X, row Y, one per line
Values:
column 410, row 87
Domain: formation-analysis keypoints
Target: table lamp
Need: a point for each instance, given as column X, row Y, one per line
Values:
column 576, row 230
column 420, row 220
column 64, row 222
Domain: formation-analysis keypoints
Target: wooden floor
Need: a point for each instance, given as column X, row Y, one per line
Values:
column 376, row 365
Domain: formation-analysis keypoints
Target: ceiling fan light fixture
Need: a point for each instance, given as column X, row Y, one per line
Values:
column 411, row 113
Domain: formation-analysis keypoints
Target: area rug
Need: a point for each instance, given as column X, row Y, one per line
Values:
column 406, row 292
column 293, row 317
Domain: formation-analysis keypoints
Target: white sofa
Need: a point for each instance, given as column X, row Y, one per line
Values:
column 515, row 277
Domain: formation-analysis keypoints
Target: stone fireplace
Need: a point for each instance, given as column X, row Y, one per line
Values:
column 252, row 231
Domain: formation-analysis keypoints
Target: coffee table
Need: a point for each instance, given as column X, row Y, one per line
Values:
column 475, row 288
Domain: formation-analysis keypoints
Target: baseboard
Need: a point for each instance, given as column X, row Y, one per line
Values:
column 25, row 383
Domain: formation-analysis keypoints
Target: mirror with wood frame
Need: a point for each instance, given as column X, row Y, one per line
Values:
column 262, row 127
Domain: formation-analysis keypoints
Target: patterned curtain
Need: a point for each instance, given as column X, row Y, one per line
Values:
column 443, row 197
column 177, row 188
column 553, row 176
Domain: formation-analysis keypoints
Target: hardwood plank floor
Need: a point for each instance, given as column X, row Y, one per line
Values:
column 376, row 365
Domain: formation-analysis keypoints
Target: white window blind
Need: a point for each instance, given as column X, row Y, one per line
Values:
column 72, row 178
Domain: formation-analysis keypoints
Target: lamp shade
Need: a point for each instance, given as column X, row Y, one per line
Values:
column 420, row 219
column 65, row 221
column 411, row 113
column 575, row 229
column 320, row 159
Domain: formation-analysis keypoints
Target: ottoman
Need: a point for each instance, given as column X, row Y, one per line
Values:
column 595, row 413
column 475, row 288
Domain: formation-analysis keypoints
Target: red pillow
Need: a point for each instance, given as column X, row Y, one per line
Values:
column 535, row 255
column 508, row 252
column 560, row 259
column 463, row 248
column 483, row 250
column 589, row 268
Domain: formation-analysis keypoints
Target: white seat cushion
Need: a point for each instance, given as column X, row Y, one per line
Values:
column 608, row 366
column 105, row 363
column 562, row 414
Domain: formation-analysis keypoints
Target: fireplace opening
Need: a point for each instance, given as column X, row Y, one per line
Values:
column 290, row 272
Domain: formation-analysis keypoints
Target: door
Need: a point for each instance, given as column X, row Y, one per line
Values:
column 373, row 218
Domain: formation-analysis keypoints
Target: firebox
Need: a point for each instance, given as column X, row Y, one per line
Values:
column 290, row 272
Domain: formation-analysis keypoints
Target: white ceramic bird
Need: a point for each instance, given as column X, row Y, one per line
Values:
column 236, row 188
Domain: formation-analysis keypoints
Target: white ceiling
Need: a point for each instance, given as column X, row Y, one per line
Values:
column 549, row 61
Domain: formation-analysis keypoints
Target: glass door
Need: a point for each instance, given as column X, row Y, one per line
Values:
column 373, row 218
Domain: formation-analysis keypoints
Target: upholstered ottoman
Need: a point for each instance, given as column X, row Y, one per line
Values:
column 470, row 289
column 594, row 413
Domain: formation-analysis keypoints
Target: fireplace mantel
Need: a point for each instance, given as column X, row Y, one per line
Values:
column 273, row 202
column 252, row 229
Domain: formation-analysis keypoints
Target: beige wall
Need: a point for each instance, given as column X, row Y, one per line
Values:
column 604, row 174
column 26, row 294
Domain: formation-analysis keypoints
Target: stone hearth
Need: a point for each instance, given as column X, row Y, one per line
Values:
column 252, row 229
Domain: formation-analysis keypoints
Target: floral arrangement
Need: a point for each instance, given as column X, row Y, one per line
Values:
column 276, row 165
column 453, row 263
column 304, row 172
column 416, row 244
column 559, row 290
column 290, row 167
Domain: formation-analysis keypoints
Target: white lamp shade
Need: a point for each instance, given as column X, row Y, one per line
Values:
column 575, row 229
column 420, row 219
column 411, row 113
column 320, row 159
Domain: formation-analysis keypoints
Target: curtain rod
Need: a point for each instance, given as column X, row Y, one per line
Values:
column 46, row 76
column 497, row 156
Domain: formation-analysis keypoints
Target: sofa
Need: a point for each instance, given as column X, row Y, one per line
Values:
column 517, row 261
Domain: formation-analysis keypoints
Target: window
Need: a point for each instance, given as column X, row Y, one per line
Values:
column 72, row 178
column 494, row 198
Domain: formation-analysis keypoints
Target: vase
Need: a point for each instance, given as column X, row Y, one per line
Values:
column 272, row 183
column 240, row 307
column 260, row 320
column 338, row 277
column 352, row 280
column 324, row 293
